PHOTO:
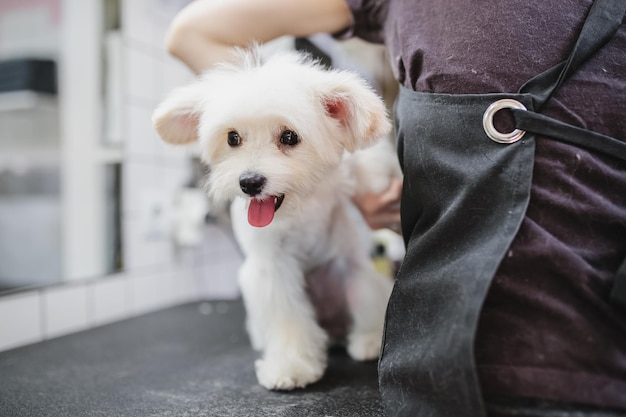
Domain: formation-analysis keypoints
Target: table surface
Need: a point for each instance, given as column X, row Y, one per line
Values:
column 189, row 360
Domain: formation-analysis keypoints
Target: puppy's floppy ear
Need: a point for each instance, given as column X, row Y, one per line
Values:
column 177, row 118
column 360, row 112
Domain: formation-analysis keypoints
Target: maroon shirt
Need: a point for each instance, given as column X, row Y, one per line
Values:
column 546, row 329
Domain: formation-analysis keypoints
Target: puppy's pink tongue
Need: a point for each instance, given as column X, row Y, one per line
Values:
column 261, row 212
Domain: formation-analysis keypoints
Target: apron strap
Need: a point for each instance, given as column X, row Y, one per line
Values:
column 603, row 20
column 602, row 23
column 546, row 126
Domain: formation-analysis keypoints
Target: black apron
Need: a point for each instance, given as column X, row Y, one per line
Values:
column 464, row 197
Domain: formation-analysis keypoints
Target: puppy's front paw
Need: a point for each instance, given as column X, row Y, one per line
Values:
column 364, row 346
column 286, row 375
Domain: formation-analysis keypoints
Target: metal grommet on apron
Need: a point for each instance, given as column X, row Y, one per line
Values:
column 464, row 197
column 491, row 131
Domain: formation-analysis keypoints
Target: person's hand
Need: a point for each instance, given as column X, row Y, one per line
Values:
column 381, row 210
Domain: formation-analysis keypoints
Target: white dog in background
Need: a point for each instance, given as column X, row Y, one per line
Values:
column 275, row 135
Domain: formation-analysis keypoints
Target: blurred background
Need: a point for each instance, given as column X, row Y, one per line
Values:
column 99, row 219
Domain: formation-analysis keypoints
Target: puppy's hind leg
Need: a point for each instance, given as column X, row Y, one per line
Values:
column 281, row 321
column 368, row 293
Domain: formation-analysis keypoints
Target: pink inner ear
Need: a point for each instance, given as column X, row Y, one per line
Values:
column 178, row 128
column 336, row 108
column 187, row 127
column 189, row 121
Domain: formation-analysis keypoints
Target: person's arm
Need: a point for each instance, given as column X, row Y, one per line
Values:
column 204, row 32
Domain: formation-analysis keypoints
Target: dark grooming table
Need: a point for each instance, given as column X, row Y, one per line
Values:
column 189, row 360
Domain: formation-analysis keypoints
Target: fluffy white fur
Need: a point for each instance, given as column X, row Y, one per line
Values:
column 332, row 112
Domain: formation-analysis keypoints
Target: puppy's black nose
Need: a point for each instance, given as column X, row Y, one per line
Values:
column 251, row 184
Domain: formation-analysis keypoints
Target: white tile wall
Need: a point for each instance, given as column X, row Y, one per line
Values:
column 137, row 175
column 110, row 299
column 147, row 293
column 218, row 260
column 141, row 139
column 220, row 278
column 139, row 254
column 175, row 74
column 173, row 155
column 182, row 284
column 20, row 320
column 138, row 22
column 156, row 273
column 65, row 309
column 142, row 73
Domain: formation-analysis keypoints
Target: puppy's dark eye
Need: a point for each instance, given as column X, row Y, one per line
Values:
column 233, row 139
column 289, row 138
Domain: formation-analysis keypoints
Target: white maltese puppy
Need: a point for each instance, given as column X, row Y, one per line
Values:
column 274, row 135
